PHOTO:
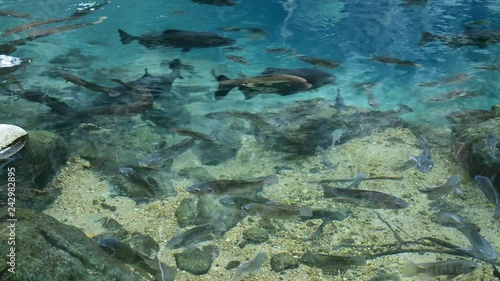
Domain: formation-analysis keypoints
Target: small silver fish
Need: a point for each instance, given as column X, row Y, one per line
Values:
column 324, row 157
column 364, row 198
column 486, row 186
column 436, row 192
column 356, row 181
column 372, row 100
column 480, row 247
column 424, row 161
column 253, row 265
column 274, row 210
column 490, row 143
column 426, row 271
column 336, row 135
column 339, row 101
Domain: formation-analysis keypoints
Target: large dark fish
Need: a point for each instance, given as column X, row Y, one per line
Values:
column 276, row 80
column 364, row 198
column 471, row 37
column 140, row 262
column 216, row 2
column 14, row 14
column 186, row 40
column 391, row 60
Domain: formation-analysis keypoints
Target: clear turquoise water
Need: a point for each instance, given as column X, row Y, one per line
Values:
column 349, row 33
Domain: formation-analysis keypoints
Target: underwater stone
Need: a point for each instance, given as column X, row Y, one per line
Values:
column 185, row 213
column 197, row 261
column 44, row 153
column 232, row 265
column 283, row 261
column 255, row 235
column 57, row 252
column 144, row 244
column 12, row 139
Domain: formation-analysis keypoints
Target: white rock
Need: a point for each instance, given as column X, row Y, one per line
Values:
column 12, row 139
column 8, row 61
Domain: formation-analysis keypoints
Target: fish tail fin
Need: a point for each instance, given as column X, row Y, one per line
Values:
column 250, row 94
column 328, row 192
column 426, row 37
column 126, row 38
column 175, row 64
column 271, row 179
column 305, row 211
column 409, row 269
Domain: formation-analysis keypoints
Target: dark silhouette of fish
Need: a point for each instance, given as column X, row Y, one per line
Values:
column 318, row 61
column 391, row 60
column 216, row 2
column 274, row 80
column 481, row 38
column 186, row 40
column 364, row 198
column 14, row 14
column 76, row 15
column 237, row 59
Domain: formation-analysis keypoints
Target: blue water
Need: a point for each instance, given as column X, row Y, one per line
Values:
column 349, row 33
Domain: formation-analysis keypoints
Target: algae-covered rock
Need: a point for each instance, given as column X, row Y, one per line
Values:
column 470, row 130
column 255, row 235
column 197, row 261
column 44, row 153
column 185, row 213
column 283, row 261
column 47, row 250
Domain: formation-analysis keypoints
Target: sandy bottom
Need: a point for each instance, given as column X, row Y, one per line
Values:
column 376, row 155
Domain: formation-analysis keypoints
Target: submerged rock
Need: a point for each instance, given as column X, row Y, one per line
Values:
column 470, row 131
column 197, row 261
column 283, row 261
column 255, row 235
column 57, row 252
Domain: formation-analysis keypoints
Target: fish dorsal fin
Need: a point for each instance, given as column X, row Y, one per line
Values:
column 172, row 31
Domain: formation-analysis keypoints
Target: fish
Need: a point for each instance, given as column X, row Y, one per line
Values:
column 491, row 193
column 451, row 268
column 336, row 136
column 281, row 84
column 192, row 134
column 324, row 157
column 88, row 10
column 455, row 79
column 424, row 161
column 160, row 157
column 436, row 192
column 250, row 266
column 372, row 99
column 318, row 61
column 149, row 183
column 408, row 3
column 238, row 201
column 356, row 181
column 339, row 101
column 185, row 40
column 237, row 59
column 279, row 50
column 488, row 67
column 140, row 262
column 457, row 94
column 273, row 210
column 274, row 80
column 216, row 2
column 481, row 248
column 157, row 85
column 391, row 60
column 481, row 38
column 332, row 264
column 490, row 144
column 14, row 14
column 364, row 198
column 229, row 28
column 196, row 235
column 241, row 186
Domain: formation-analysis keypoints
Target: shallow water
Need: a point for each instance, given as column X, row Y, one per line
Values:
column 350, row 33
